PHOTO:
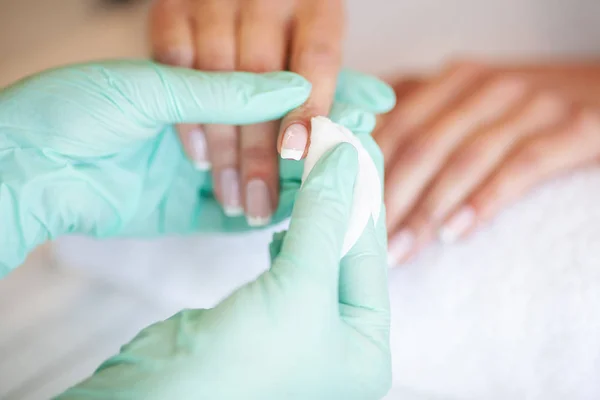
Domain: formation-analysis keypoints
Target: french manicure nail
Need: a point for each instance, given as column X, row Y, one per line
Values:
column 457, row 225
column 399, row 247
column 230, row 191
column 258, row 203
column 294, row 142
column 199, row 149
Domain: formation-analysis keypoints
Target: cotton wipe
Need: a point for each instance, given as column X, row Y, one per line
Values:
column 325, row 135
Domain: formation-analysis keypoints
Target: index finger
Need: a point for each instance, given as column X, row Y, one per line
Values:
column 317, row 35
column 166, row 95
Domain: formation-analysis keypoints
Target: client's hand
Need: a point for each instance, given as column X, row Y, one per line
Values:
column 312, row 327
column 257, row 36
column 462, row 146
column 90, row 149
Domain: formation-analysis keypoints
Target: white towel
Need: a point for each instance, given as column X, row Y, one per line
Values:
column 511, row 313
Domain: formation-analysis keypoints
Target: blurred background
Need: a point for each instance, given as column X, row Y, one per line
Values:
column 75, row 301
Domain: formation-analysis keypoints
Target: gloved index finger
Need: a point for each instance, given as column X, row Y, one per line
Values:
column 171, row 95
column 320, row 216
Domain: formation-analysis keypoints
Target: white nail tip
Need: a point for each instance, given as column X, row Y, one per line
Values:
column 391, row 261
column 291, row 154
column 447, row 236
column 256, row 222
column 202, row 165
column 233, row 211
column 457, row 226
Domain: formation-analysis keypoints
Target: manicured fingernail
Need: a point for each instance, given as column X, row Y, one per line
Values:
column 399, row 247
column 457, row 225
column 258, row 203
column 199, row 149
column 230, row 191
column 294, row 142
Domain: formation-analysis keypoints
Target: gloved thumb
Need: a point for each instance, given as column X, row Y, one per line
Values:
column 313, row 244
column 169, row 95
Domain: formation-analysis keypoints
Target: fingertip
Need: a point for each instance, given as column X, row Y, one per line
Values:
column 401, row 246
column 365, row 91
column 356, row 119
column 231, row 98
column 458, row 225
column 294, row 141
column 289, row 80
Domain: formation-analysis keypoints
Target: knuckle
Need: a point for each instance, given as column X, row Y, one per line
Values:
column 319, row 53
column 261, row 63
column 549, row 101
column 528, row 157
column 465, row 67
column 506, row 85
column 464, row 161
column 549, row 105
column 414, row 151
column 585, row 122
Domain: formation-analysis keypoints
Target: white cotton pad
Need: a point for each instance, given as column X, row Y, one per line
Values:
column 325, row 135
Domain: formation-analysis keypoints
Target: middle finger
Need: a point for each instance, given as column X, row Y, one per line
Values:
column 215, row 42
column 262, row 45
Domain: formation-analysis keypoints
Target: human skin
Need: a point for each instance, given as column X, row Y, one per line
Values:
column 256, row 36
column 462, row 145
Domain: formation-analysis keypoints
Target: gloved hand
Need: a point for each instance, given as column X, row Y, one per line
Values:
column 90, row 148
column 312, row 327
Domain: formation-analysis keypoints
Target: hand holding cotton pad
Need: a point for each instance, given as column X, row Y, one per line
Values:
column 325, row 135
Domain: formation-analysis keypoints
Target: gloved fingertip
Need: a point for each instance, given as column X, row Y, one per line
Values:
column 387, row 97
column 289, row 79
column 365, row 91
column 357, row 120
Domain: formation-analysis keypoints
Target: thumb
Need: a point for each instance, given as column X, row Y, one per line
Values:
column 313, row 244
column 169, row 95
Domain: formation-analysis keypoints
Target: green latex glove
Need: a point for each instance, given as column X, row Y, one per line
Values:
column 312, row 327
column 91, row 149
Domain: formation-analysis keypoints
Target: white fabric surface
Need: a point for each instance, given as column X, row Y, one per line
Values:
column 512, row 313
column 324, row 136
